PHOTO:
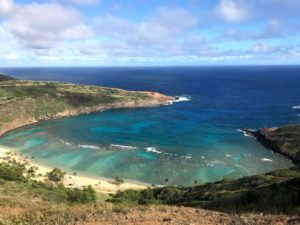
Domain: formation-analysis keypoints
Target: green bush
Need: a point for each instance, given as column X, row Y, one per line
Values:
column 127, row 197
column 12, row 172
column 86, row 195
column 56, row 175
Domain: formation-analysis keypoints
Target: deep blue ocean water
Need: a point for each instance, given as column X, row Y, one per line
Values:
column 185, row 141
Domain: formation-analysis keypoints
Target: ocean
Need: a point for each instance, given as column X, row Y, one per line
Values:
column 196, row 139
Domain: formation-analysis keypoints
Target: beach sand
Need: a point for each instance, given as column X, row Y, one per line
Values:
column 70, row 180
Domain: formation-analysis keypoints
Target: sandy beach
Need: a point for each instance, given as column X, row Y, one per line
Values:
column 70, row 180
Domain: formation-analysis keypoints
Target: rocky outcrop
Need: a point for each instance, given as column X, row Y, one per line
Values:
column 283, row 140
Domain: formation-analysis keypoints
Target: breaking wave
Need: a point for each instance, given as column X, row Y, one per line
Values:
column 123, row 147
column 245, row 132
column 180, row 99
column 266, row 160
column 89, row 146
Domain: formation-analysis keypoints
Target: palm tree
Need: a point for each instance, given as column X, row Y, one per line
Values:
column 74, row 174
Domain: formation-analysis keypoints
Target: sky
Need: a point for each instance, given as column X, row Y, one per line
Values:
column 149, row 32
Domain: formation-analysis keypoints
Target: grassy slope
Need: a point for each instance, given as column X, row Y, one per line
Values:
column 278, row 191
column 35, row 203
column 285, row 140
column 22, row 102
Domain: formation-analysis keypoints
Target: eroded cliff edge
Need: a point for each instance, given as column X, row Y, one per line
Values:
column 25, row 102
column 284, row 140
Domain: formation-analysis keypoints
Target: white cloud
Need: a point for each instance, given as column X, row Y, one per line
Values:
column 41, row 26
column 273, row 29
column 12, row 56
column 261, row 48
column 5, row 7
column 165, row 24
column 232, row 11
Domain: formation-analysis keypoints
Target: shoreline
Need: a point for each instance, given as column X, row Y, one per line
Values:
column 107, row 185
column 103, row 185
column 86, row 110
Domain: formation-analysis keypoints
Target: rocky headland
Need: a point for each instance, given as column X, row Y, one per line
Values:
column 283, row 140
column 25, row 102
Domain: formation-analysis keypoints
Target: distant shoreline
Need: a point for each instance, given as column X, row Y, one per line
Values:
column 51, row 100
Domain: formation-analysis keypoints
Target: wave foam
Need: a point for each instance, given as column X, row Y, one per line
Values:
column 89, row 146
column 180, row 99
column 187, row 157
column 266, row 160
column 125, row 147
column 63, row 141
column 296, row 107
column 245, row 132
column 153, row 149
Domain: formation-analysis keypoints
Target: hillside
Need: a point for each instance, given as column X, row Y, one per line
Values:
column 275, row 192
column 284, row 140
column 26, row 201
column 25, row 102
column 271, row 198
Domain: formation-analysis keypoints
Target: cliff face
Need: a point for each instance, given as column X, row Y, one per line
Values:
column 283, row 140
column 27, row 102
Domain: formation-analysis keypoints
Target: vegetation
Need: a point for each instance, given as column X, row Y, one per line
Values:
column 12, row 172
column 284, row 140
column 22, row 101
column 25, row 201
column 16, row 188
column 56, row 175
column 118, row 180
column 278, row 191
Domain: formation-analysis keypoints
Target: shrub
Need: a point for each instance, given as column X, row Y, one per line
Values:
column 12, row 172
column 128, row 197
column 118, row 180
column 56, row 175
column 86, row 195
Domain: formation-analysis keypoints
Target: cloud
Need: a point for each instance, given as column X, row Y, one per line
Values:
column 279, row 8
column 84, row 2
column 5, row 7
column 41, row 26
column 273, row 29
column 232, row 11
column 12, row 56
column 165, row 24
column 262, row 48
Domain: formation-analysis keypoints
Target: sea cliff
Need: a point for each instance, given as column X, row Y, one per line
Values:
column 283, row 140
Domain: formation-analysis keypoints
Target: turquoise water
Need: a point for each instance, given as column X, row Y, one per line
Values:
column 184, row 142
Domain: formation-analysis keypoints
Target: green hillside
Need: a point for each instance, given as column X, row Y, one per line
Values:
column 275, row 192
column 23, row 102
column 25, row 201
column 284, row 140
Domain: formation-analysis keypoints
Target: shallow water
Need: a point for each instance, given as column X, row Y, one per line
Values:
column 186, row 141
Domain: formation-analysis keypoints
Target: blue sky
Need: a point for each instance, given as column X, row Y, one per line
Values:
column 149, row 32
